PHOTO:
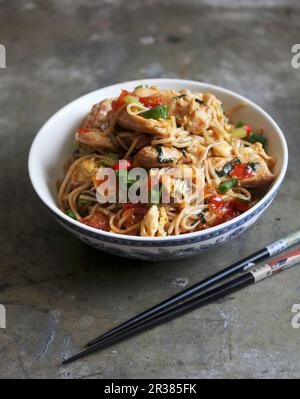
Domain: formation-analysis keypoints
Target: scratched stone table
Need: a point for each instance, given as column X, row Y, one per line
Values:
column 58, row 292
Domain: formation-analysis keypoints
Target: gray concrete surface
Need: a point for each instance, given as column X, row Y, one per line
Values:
column 58, row 292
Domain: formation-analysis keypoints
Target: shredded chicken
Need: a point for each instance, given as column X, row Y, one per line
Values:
column 190, row 113
column 99, row 115
column 156, row 157
column 84, row 171
column 94, row 138
column 159, row 128
column 154, row 222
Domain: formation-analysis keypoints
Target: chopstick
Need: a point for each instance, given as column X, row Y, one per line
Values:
column 240, row 266
column 251, row 277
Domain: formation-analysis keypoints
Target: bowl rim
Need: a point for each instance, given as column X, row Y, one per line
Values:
column 54, row 208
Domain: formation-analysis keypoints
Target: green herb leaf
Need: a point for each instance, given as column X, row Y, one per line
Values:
column 162, row 158
column 227, row 168
column 240, row 124
column 254, row 166
column 254, row 138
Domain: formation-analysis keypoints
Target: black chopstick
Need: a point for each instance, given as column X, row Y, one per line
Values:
column 236, row 284
column 264, row 253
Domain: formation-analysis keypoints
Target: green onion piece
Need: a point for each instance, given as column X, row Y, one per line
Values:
column 254, row 138
column 238, row 132
column 156, row 113
column 240, row 124
column 131, row 100
column 70, row 214
column 227, row 185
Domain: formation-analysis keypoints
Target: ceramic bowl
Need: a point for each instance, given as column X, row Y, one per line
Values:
column 53, row 145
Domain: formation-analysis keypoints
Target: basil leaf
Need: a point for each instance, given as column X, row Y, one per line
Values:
column 254, row 166
column 227, row 168
column 254, row 138
column 161, row 156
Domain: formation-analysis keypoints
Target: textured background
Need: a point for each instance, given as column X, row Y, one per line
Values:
column 59, row 293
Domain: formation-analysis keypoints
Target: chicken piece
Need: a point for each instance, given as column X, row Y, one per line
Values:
column 222, row 149
column 83, row 172
column 196, row 148
column 149, row 224
column 99, row 115
column 95, row 139
column 189, row 113
column 156, row 157
column 158, row 128
column 146, row 91
column 263, row 176
column 218, row 163
column 154, row 222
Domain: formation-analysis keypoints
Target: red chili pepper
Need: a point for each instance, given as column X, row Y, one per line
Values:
column 120, row 100
column 216, row 201
column 242, row 171
column 239, row 205
column 248, row 129
column 127, row 165
column 151, row 101
column 83, row 130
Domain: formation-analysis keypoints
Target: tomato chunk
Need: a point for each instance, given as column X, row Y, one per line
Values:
column 151, row 102
column 242, row 171
column 216, row 202
column 120, row 100
column 98, row 221
column 127, row 165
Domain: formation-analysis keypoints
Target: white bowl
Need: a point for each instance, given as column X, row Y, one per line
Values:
column 53, row 145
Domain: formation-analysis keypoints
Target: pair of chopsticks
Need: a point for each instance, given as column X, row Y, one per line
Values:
column 175, row 306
